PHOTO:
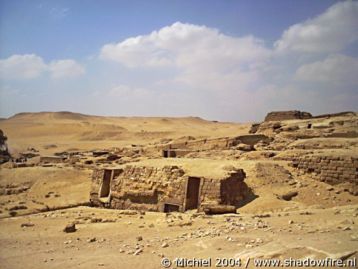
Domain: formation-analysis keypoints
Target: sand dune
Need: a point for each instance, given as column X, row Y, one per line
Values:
column 74, row 130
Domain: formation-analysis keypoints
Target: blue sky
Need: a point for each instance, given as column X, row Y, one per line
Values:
column 223, row 60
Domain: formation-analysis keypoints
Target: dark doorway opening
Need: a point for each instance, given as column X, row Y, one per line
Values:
column 192, row 193
column 106, row 183
column 172, row 154
column 165, row 153
column 171, row 208
column 309, row 126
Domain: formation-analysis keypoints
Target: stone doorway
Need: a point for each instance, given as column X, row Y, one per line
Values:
column 106, row 184
column 192, row 193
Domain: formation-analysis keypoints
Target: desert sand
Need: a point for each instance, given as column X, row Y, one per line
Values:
column 39, row 199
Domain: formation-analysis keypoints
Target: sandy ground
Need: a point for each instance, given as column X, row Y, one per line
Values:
column 308, row 226
column 320, row 222
column 110, row 238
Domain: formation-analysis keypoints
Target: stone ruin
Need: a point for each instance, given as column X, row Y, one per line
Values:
column 182, row 149
column 4, row 153
column 52, row 159
column 333, row 170
column 166, row 189
column 287, row 115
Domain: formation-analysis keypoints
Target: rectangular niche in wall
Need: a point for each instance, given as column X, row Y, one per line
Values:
column 171, row 208
column 192, row 193
column 106, row 184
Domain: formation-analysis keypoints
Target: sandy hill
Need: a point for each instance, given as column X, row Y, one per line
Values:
column 55, row 131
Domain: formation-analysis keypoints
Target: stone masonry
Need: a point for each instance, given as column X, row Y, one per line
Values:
column 330, row 169
column 287, row 115
column 167, row 188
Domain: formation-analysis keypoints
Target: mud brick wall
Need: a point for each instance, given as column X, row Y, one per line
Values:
column 330, row 169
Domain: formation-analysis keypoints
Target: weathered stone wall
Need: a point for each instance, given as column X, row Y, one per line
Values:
column 150, row 188
column 147, row 188
column 206, row 144
column 184, row 148
column 233, row 190
column 4, row 153
column 174, row 153
column 340, row 114
column 52, row 159
column 287, row 115
column 330, row 169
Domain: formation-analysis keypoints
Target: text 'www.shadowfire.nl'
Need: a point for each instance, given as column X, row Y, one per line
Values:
column 259, row 263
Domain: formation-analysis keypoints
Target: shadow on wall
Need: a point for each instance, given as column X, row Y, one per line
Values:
column 236, row 194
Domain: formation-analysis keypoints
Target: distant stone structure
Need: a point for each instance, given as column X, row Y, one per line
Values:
column 287, row 115
column 182, row 149
column 52, row 159
column 339, row 114
column 167, row 188
column 4, row 152
column 174, row 153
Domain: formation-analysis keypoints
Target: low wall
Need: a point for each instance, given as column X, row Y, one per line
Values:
column 52, row 159
column 330, row 169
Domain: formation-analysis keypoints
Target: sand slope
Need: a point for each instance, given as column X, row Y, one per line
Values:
column 56, row 131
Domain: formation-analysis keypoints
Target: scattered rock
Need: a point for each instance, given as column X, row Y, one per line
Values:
column 245, row 147
column 138, row 251
column 70, row 228
column 139, row 238
column 27, row 224
column 91, row 240
column 288, row 196
column 12, row 213
column 267, row 215
column 95, row 220
column 17, row 207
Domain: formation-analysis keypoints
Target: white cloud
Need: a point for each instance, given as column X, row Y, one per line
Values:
column 27, row 66
column 203, row 57
column 215, row 75
column 31, row 66
column 334, row 69
column 65, row 69
column 135, row 52
column 331, row 31
column 187, row 45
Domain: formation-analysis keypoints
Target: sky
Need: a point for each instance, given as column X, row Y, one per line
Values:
column 219, row 60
